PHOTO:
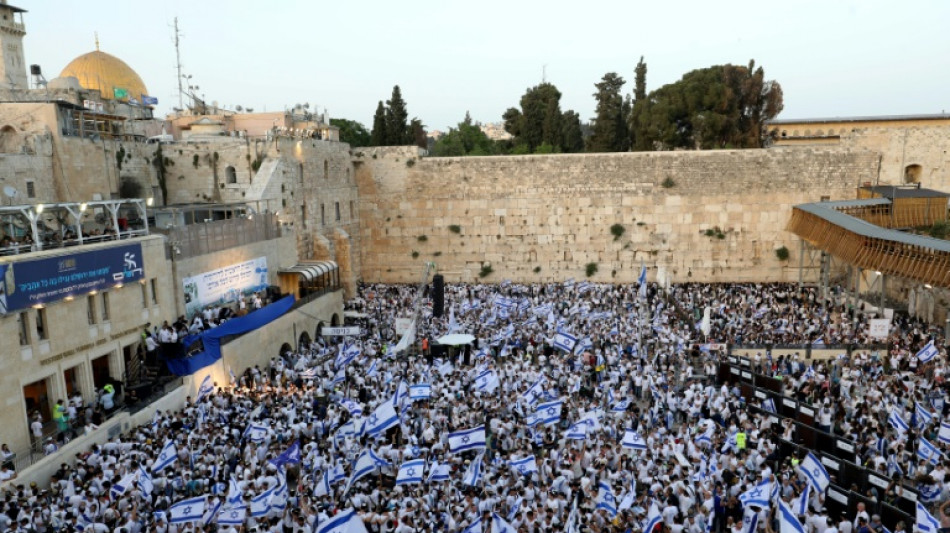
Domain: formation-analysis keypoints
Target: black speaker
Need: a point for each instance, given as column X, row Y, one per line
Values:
column 35, row 70
column 438, row 295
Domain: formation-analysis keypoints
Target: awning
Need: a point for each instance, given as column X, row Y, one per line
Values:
column 310, row 270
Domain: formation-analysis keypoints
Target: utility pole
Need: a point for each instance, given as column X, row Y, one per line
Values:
column 178, row 64
column 544, row 73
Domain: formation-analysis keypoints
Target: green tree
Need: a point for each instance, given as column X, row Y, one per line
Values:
column 639, row 104
column 417, row 132
column 352, row 132
column 397, row 132
column 538, row 121
column 467, row 139
column 379, row 137
column 610, row 125
column 723, row 106
column 573, row 133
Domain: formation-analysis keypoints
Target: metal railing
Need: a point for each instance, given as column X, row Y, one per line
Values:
column 193, row 240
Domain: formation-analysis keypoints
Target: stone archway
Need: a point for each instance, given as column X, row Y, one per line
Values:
column 9, row 140
column 334, row 320
column 913, row 173
column 303, row 342
column 319, row 331
column 285, row 348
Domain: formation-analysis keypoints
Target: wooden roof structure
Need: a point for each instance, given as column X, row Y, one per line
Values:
column 840, row 229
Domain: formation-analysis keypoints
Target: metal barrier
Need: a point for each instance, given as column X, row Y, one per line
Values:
column 208, row 237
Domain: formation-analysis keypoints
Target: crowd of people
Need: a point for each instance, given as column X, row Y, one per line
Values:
column 577, row 407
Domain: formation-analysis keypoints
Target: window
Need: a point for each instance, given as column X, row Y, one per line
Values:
column 91, row 309
column 337, row 205
column 41, row 332
column 23, row 320
column 144, row 295
column 351, row 211
column 230, row 174
column 303, row 215
column 105, row 307
column 326, row 169
column 300, row 171
column 30, row 189
column 154, row 292
column 323, row 215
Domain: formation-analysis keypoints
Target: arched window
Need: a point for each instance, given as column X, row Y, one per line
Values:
column 913, row 173
column 230, row 175
column 9, row 140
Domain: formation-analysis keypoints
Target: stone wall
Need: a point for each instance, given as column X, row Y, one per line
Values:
column 703, row 216
column 926, row 146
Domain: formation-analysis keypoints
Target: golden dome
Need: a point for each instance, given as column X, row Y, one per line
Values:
column 105, row 73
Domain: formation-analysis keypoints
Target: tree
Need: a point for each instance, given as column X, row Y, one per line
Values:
column 610, row 125
column 352, row 132
column 379, row 136
column 397, row 132
column 573, row 133
column 723, row 106
column 467, row 139
column 417, row 132
column 539, row 121
column 639, row 104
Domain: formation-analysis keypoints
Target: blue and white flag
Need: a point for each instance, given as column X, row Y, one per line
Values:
column 564, row 341
column 167, row 457
column 633, row 440
column 606, row 499
column 815, row 473
column 206, row 388
column 439, row 472
column 474, row 527
column 525, row 466
column 758, row 495
column 119, row 488
column 533, row 394
column 365, row 464
column 788, row 522
column 500, row 525
column 256, row 432
column 928, row 452
column 768, row 405
column 621, row 406
column 924, row 418
column 802, row 503
column 344, row 522
column 926, row 523
column 893, row 467
column 260, row 504
column 473, row 476
column 383, row 418
column 149, row 100
column 354, row 407
column 290, row 455
column 927, row 353
column 470, row 439
column 322, row 487
column 371, row 371
column 548, row 413
column 144, row 482
column 585, row 344
column 421, row 391
column 654, row 518
column 188, row 510
column 487, row 382
column 703, row 440
column 944, row 434
column 411, row 472
column 897, row 422
column 642, row 280
column 232, row 516
column 339, row 377
column 347, row 355
column 577, row 431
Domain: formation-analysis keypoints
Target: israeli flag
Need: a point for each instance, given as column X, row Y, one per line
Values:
column 206, row 388
column 621, row 406
column 487, row 382
column 167, row 457
column 534, row 391
column 144, row 482
column 703, row 440
column 372, row 368
column 474, row 527
column 893, row 467
column 525, row 466
column 927, row 353
column 365, row 464
column 606, row 499
column 758, row 495
column 924, row 417
column 788, row 522
column 642, row 280
column 633, row 440
column 232, row 516
column 564, row 341
column 944, row 435
column 768, row 405
column 411, row 472
column 473, row 475
column 926, row 523
column 897, row 422
column 119, row 488
column 383, row 418
column 928, row 452
column 188, row 510
column 499, row 525
column 584, row 345
column 323, row 484
column 577, row 431
column 469, row 439
column 354, row 407
column 439, row 472
column 583, row 287
column 548, row 413
column 345, row 522
column 654, row 518
column 290, row 455
column 339, row 377
column 256, row 432
column 929, row 493
column 260, row 504
column 310, row 373
column 422, row 391
column 803, row 501
column 815, row 472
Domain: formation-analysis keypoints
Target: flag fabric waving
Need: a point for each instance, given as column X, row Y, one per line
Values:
column 411, row 472
column 815, row 472
column 469, row 439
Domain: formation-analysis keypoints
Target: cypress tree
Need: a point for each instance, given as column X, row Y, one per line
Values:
column 378, row 137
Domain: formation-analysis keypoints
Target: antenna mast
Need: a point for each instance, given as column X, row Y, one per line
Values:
column 178, row 64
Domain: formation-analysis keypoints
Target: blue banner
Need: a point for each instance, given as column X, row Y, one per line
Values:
column 24, row 284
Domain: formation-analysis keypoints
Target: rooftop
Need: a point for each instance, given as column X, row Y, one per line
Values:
column 879, row 118
column 895, row 191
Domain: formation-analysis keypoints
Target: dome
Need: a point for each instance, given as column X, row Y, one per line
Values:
column 104, row 73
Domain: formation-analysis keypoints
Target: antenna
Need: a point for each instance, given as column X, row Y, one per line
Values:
column 544, row 73
column 178, row 63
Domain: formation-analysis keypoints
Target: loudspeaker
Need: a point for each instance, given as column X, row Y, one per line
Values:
column 438, row 295
column 35, row 70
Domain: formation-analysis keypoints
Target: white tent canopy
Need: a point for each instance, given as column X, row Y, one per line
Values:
column 456, row 339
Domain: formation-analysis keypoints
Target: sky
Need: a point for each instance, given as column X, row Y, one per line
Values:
column 832, row 58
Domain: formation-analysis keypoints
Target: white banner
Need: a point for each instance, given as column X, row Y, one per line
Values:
column 340, row 332
column 402, row 325
column 224, row 285
column 879, row 327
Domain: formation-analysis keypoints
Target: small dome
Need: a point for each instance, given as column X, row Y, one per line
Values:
column 105, row 73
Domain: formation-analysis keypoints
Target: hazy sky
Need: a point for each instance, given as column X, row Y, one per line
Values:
column 832, row 58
